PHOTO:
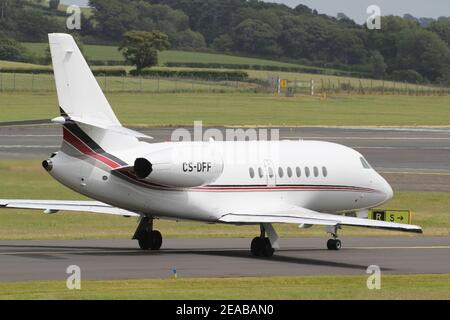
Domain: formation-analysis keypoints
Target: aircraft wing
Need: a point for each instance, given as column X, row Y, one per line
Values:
column 53, row 206
column 299, row 215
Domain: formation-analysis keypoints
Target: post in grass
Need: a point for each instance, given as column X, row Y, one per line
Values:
column 175, row 274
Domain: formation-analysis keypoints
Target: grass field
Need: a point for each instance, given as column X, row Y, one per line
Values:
column 100, row 52
column 322, row 83
column 26, row 179
column 248, row 109
column 43, row 83
column 393, row 287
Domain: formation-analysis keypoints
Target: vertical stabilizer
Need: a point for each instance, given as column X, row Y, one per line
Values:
column 79, row 94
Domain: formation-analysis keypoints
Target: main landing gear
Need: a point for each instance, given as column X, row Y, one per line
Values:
column 335, row 243
column 262, row 246
column 147, row 238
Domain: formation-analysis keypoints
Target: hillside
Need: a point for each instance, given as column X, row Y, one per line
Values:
column 405, row 49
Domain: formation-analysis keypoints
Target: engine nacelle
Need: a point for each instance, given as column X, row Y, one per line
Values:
column 181, row 166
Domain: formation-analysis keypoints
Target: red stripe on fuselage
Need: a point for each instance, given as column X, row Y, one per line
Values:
column 73, row 140
column 284, row 188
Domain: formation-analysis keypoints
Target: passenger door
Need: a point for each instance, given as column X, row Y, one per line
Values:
column 270, row 173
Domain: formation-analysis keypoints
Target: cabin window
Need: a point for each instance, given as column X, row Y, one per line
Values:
column 252, row 173
column 316, row 172
column 260, row 172
column 307, row 172
column 365, row 164
column 324, row 171
column 298, row 171
column 280, row 172
column 289, row 172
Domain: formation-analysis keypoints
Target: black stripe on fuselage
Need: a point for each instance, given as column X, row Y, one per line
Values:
column 84, row 137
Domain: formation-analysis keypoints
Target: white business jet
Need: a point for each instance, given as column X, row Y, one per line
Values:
column 301, row 182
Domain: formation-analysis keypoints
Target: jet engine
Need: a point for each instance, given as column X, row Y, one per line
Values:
column 181, row 166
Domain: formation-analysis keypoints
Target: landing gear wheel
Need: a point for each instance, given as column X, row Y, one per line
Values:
column 150, row 240
column 267, row 249
column 334, row 244
column 256, row 246
column 261, row 247
column 156, row 240
column 144, row 241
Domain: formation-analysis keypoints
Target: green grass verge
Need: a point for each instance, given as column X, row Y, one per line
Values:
column 247, row 109
column 26, row 179
column 393, row 287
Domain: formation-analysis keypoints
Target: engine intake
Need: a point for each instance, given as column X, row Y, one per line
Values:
column 143, row 168
column 47, row 165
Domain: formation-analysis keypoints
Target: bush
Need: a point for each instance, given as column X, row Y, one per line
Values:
column 410, row 76
column 37, row 70
column 213, row 75
column 10, row 49
column 265, row 68
column 111, row 72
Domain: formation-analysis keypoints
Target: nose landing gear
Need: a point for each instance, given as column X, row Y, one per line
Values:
column 335, row 243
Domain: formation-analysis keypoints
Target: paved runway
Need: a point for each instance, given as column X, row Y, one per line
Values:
column 412, row 159
column 119, row 259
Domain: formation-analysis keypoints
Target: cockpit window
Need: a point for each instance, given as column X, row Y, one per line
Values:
column 365, row 164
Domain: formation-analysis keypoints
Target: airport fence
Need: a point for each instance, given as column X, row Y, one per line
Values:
column 333, row 86
column 28, row 82
column 304, row 85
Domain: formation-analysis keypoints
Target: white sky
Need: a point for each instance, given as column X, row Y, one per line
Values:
column 356, row 9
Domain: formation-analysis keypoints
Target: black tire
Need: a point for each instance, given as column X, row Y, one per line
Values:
column 338, row 244
column 267, row 250
column 334, row 244
column 256, row 246
column 156, row 240
column 331, row 244
column 144, row 241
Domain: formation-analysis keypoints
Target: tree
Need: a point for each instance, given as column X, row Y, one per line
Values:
column 256, row 37
column 377, row 64
column 114, row 17
column 140, row 48
column 223, row 43
column 53, row 4
column 423, row 51
column 188, row 39
column 10, row 49
column 442, row 29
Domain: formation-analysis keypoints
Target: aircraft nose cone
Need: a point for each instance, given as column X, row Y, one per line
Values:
column 388, row 191
column 386, row 188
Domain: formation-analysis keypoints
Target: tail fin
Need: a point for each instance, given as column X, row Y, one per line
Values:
column 79, row 94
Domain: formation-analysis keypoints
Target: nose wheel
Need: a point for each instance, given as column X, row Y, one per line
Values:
column 334, row 244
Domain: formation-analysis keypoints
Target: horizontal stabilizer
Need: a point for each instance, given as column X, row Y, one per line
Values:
column 62, row 205
column 26, row 123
